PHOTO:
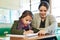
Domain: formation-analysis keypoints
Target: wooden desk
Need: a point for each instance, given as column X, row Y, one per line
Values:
column 17, row 37
column 42, row 37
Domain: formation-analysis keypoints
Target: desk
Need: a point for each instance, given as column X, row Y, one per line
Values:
column 43, row 37
column 19, row 37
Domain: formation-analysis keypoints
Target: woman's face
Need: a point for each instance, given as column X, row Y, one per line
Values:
column 27, row 20
column 43, row 11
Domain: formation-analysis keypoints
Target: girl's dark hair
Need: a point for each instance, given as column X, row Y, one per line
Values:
column 44, row 3
column 25, row 13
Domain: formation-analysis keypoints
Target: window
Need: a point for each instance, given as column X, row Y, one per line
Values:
column 24, row 5
column 14, row 15
column 56, row 9
column 4, row 16
column 8, row 16
column 34, row 5
column 31, row 5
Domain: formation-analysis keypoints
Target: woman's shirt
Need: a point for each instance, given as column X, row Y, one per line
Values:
column 42, row 24
column 50, row 23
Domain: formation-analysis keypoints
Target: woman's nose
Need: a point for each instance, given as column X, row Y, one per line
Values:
column 43, row 12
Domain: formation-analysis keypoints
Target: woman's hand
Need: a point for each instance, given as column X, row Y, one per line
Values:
column 41, row 32
column 28, row 32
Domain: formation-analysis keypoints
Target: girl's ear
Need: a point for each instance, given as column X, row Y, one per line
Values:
column 21, row 18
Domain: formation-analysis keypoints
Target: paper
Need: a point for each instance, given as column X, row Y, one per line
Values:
column 31, row 35
column 12, row 35
column 27, row 35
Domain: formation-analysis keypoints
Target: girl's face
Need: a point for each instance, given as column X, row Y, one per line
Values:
column 27, row 20
column 43, row 11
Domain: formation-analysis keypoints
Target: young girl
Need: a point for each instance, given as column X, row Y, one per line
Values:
column 22, row 26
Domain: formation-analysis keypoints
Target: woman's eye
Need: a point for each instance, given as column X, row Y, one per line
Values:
column 41, row 10
column 44, row 10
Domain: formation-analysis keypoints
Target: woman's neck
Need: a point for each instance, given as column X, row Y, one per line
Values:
column 43, row 18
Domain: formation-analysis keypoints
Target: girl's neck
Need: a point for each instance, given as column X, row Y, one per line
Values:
column 23, row 23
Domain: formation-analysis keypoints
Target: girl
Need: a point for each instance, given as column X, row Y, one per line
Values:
column 22, row 26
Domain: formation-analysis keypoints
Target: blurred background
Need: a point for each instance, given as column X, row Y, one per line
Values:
column 11, row 10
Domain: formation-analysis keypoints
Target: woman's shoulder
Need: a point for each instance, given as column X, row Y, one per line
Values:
column 36, row 15
column 50, row 16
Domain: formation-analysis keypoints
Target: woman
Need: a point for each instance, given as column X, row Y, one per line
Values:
column 44, row 21
column 22, row 26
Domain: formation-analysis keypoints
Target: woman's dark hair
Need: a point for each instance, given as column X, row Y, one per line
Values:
column 25, row 13
column 44, row 3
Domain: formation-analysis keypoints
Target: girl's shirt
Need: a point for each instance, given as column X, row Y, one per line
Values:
column 22, row 27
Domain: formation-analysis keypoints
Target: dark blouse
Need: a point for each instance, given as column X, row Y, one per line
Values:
column 42, row 24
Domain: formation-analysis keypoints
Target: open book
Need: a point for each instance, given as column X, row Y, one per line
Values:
column 32, row 35
column 28, row 35
column 13, row 35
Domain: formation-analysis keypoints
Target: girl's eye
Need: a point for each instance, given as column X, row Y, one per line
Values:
column 26, row 20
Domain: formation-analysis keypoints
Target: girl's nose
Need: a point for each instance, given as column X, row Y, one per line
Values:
column 29, row 22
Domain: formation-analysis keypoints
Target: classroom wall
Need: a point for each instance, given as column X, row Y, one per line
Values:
column 10, row 4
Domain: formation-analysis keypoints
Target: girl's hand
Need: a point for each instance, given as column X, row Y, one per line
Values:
column 28, row 32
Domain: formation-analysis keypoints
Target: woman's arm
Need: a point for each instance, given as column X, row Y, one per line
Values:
column 53, row 24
